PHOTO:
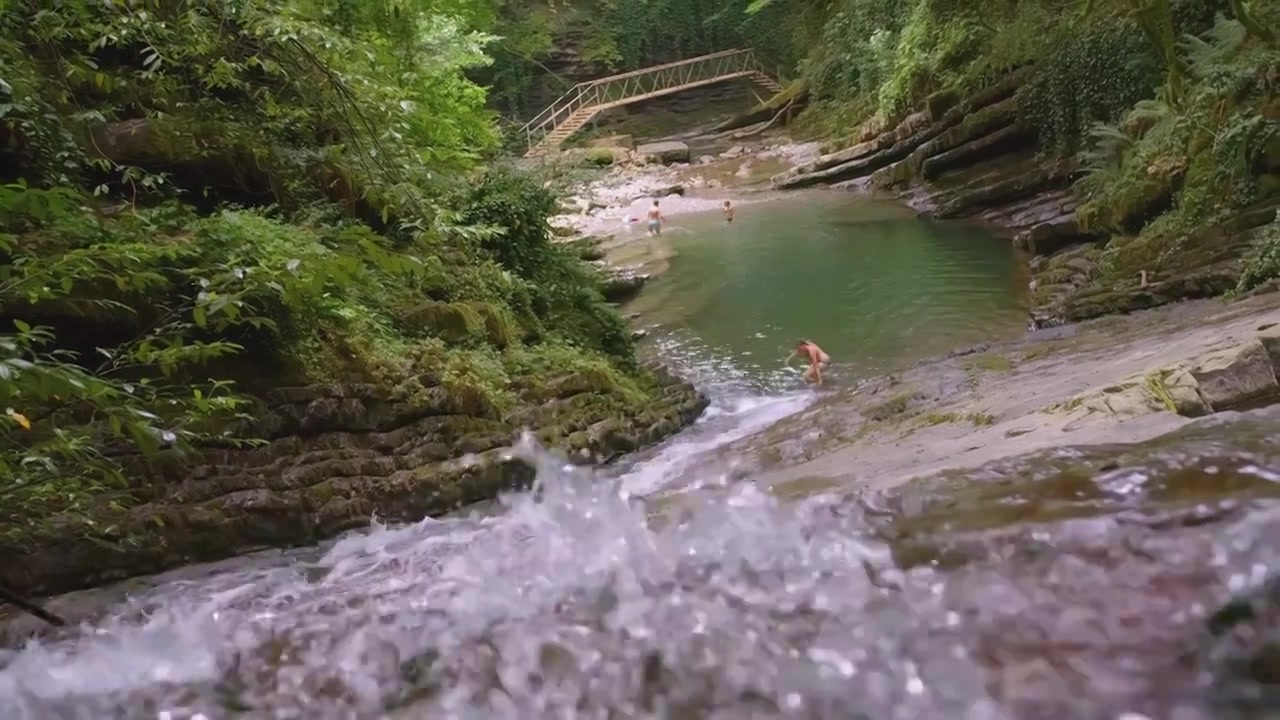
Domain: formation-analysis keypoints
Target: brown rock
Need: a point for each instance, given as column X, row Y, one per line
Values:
column 339, row 454
column 937, row 104
column 1236, row 376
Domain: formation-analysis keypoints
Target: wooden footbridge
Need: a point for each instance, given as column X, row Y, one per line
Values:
column 585, row 100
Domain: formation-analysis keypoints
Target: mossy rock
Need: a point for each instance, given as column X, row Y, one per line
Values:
column 1057, row 276
column 464, row 322
column 937, row 104
column 589, row 380
column 499, row 326
column 472, row 399
column 588, row 248
column 1139, row 201
column 601, row 157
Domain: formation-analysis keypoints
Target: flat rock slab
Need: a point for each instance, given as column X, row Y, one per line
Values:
column 665, row 152
column 1236, row 376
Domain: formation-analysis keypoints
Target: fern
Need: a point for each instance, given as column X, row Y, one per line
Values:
column 1109, row 145
column 1223, row 42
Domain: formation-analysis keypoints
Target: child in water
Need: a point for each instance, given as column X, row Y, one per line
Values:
column 728, row 212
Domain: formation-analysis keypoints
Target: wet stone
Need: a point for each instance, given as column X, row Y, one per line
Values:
column 1236, row 376
column 1103, row 582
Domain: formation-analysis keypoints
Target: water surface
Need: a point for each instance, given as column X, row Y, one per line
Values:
column 872, row 284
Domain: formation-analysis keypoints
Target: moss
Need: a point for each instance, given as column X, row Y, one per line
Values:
column 599, row 157
column 981, row 419
column 451, row 322
column 501, row 330
column 1055, row 276
column 939, row 418
column 989, row 362
column 892, row 408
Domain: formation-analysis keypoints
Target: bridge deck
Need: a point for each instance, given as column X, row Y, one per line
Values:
column 585, row 100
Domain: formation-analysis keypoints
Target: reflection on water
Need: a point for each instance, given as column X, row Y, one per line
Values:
column 866, row 280
column 1120, row 582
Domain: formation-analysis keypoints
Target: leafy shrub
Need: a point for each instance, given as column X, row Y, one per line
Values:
column 1169, row 170
column 560, row 290
column 1263, row 263
column 70, row 412
column 599, row 157
column 1093, row 75
column 297, row 210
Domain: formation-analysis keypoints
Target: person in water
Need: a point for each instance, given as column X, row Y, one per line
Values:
column 818, row 360
column 655, row 219
column 728, row 212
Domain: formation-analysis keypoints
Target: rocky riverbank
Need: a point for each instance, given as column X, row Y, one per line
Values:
column 977, row 159
column 1109, row 380
column 604, row 215
column 334, row 457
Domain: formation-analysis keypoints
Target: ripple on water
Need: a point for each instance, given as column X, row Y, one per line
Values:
column 1073, row 585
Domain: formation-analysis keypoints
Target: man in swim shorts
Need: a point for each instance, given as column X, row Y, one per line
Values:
column 655, row 219
column 818, row 360
column 728, row 212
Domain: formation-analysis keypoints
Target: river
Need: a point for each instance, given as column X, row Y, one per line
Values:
column 872, row 284
column 1080, row 584
column 867, row 280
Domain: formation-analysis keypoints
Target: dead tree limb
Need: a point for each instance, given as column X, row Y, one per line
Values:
column 11, row 597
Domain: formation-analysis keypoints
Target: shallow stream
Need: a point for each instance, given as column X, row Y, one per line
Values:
column 1090, row 584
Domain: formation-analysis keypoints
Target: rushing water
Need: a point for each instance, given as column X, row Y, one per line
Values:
column 1081, row 584
column 865, row 279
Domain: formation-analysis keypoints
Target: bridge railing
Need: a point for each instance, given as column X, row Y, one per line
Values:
column 617, row 89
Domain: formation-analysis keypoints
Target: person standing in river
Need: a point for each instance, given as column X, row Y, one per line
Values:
column 655, row 219
column 728, row 212
column 818, row 359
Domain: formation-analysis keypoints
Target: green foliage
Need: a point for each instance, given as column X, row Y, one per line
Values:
column 69, row 411
column 1094, row 75
column 270, row 97
column 209, row 200
column 553, row 286
column 620, row 35
column 1263, row 263
column 856, row 54
column 1167, row 172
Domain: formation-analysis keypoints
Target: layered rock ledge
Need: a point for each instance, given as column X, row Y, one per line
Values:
column 976, row 159
column 333, row 456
